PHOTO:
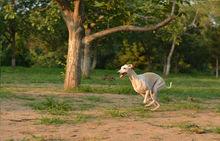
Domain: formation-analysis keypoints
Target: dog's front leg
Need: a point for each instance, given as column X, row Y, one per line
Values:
column 146, row 96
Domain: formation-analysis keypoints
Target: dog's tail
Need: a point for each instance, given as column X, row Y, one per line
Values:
column 170, row 86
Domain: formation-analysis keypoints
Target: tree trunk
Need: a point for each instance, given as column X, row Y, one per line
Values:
column 73, row 70
column 86, row 62
column 86, row 65
column 13, row 38
column 216, row 68
column 74, row 22
column 94, row 60
column 169, row 57
column 13, row 48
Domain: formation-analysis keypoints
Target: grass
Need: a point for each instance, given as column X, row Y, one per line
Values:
column 188, row 92
column 195, row 128
column 52, row 106
column 77, row 119
column 117, row 113
column 139, row 112
column 4, row 94
column 52, row 121
column 35, row 138
column 81, row 118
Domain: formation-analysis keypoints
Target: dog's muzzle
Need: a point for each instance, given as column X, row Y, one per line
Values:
column 122, row 74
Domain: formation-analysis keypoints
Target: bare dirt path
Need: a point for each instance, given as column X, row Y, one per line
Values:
column 19, row 122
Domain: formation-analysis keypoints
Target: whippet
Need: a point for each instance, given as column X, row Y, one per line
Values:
column 147, row 84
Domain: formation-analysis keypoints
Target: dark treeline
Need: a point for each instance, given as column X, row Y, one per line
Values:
column 34, row 34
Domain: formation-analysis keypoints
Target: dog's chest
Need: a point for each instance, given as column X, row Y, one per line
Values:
column 139, row 87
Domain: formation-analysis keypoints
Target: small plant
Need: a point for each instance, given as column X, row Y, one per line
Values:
column 53, row 106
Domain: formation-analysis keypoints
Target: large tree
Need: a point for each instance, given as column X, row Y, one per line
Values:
column 74, row 16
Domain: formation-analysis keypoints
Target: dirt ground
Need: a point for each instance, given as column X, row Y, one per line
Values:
column 18, row 122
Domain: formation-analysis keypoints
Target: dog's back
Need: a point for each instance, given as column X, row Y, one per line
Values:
column 151, row 78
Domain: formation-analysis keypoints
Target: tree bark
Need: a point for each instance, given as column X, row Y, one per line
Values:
column 73, row 70
column 75, row 27
column 216, row 68
column 169, row 57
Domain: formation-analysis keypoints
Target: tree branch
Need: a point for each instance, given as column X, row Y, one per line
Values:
column 76, row 8
column 126, row 28
column 89, row 38
column 173, row 8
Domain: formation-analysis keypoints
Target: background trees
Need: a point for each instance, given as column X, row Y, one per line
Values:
column 34, row 33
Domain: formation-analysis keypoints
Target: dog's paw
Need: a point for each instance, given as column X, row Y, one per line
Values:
column 154, row 109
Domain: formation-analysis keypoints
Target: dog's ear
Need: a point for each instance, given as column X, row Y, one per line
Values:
column 131, row 66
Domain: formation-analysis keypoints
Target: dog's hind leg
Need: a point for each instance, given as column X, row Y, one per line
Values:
column 157, row 106
column 152, row 95
column 157, row 86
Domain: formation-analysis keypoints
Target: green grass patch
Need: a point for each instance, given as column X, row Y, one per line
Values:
column 22, row 75
column 4, row 94
column 82, row 118
column 84, row 106
column 188, row 92
column 216, row 130
column 183, row 105
column 79, row 118
column 119, row 89
column 52, row 121
column 194, row 128
column 139, row 111
column 218, row 108
column 93, row 98
column 52, row 105
column 115, row 112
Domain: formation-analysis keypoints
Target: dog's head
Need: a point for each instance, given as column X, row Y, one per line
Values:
column 125, row 69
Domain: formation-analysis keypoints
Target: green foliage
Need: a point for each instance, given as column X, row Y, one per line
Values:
column 41, row 34
column 134, row 53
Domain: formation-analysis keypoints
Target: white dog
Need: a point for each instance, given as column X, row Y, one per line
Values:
column 147, row 84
